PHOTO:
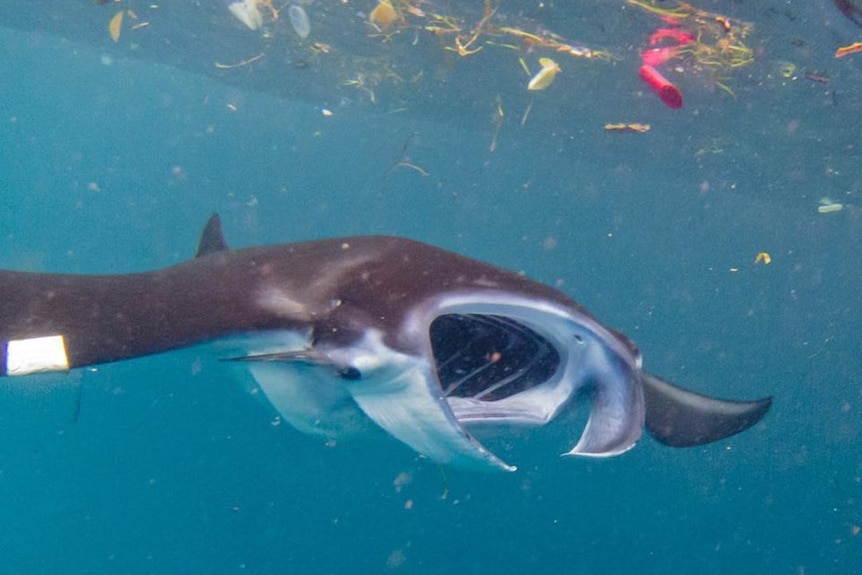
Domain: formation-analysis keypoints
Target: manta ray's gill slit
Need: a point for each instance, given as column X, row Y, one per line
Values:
column 451, row 387
column 488, row 392
column 489, row 357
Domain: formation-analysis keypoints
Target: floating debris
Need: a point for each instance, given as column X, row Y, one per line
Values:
column 817, row 77
column 702, row 41
column 115, row 26
column 404, row 161
column 299, row 21
column 245, row 62
column 764, row 258
column 546, row 75
column 497, row 120
column 847, row 50
column 827, row 206
column 321, row 47
column 383, row 16
column 621, row 127
column 247, row 12
column 663, row 87
column 786, row 69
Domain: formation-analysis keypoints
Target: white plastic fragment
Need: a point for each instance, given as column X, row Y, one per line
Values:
column 246, row 11
column 37, row 354
column 830, row 208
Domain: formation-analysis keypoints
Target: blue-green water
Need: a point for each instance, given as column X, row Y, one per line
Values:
column 112, row 164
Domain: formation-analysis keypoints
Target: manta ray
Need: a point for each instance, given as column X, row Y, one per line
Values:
column 427, row 344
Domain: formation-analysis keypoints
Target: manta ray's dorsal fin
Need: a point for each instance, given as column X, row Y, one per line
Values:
column 212, row 238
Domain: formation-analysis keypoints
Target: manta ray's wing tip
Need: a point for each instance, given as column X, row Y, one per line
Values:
column 682, row 418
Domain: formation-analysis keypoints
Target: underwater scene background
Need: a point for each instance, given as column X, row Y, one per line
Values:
column 115, row 150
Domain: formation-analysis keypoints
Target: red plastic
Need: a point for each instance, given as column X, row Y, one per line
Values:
column 663, row 87
column 658, row 56
column 676, row 34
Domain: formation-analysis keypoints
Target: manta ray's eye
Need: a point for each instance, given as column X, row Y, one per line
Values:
column 349, row 373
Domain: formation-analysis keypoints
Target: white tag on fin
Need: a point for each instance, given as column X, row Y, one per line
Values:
column 37, row 354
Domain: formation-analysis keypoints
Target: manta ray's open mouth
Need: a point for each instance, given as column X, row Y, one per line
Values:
column 489, row 357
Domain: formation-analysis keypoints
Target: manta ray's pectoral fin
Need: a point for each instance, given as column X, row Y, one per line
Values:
column 407, row 404
column 682, row 418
